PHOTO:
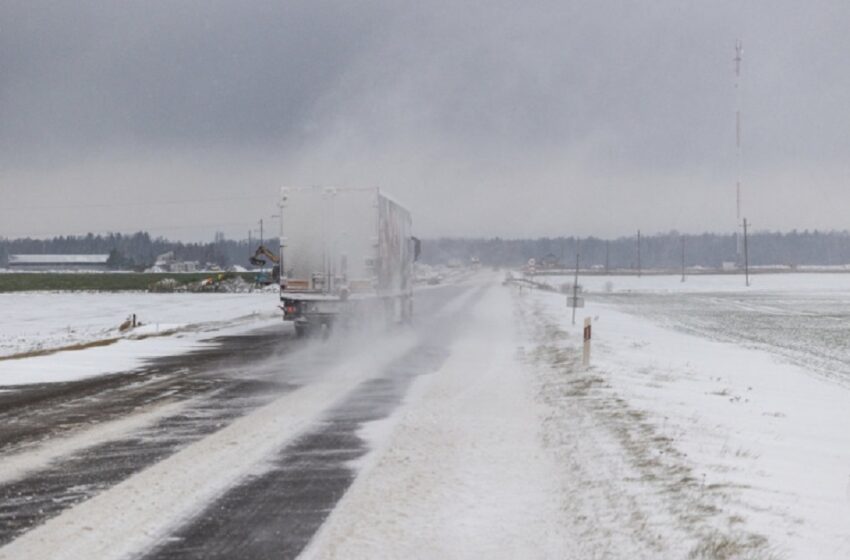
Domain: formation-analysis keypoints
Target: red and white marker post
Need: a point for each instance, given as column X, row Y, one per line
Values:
column 585, row 355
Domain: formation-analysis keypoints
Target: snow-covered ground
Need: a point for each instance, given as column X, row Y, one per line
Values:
column 33, row 321
column 39, row 323
column 712, row 421
column 822, row 282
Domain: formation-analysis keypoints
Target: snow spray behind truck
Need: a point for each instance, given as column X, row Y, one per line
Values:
column 345, row 254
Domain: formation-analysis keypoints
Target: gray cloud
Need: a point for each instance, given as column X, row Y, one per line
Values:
column 510, row 118
column 81, row 76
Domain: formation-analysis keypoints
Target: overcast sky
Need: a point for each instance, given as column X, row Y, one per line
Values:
column 484, row 118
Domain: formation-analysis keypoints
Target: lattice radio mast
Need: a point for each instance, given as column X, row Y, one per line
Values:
column 739, row 55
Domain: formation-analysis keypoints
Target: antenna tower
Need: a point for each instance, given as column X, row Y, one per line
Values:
column 739, row 55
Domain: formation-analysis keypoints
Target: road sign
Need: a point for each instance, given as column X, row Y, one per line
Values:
column 575, row 301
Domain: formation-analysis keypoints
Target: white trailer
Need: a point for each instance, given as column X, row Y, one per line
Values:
column 345, row 254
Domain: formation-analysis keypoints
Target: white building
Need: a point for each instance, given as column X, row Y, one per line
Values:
column 167, row 262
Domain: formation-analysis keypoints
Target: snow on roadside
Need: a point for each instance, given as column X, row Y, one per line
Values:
column 173, row 323
column 461, row 472
column 715, row 448
column 35, row 321
column 122, row 355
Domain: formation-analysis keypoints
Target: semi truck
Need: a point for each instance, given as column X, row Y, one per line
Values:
column 346, row 254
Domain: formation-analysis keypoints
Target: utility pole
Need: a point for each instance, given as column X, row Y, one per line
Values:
column 638, row 253
column 746, row 256
column 262, row 239
column 575, row 285
column 683, row 258
column 739, row 55
column 281, row 243
column 607, row 249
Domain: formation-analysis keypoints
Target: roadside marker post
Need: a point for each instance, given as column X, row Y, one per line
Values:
column 585, row 355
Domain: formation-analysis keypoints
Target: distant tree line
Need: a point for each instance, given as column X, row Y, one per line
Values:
column 139, row 250
column 664, row 250
column 135, row 251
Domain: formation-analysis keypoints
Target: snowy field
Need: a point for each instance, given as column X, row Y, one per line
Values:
column 33, row 321
column 40, row 323
column 805, row 318
column 815, row 282
column 712, row 422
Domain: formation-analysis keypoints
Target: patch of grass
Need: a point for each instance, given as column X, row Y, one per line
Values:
column 582, row 386
column 735, row 545
column 98, row 282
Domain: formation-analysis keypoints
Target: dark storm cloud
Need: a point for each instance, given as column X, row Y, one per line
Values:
column 588, row 117
column 82, row 75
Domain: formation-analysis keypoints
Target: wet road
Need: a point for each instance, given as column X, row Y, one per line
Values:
column 274, row 515
column 273, row 512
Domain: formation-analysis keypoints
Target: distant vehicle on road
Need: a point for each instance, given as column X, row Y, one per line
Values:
column 345, row 254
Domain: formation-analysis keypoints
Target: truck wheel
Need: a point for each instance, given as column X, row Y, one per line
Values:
column 301, row 330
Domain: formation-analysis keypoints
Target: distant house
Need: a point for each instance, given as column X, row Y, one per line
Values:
column 58, row 262
column 184, row 266
column 550, row 261
column 167, row 262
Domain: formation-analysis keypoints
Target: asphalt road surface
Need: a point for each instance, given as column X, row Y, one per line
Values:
column 64, row 444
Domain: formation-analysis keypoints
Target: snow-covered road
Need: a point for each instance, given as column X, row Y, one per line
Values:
column 199, row 428
column 461, row 471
